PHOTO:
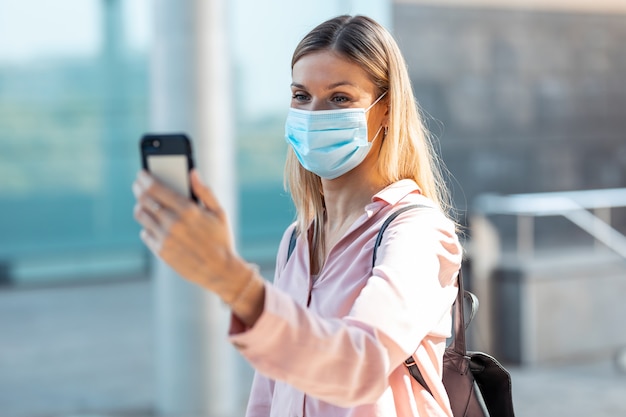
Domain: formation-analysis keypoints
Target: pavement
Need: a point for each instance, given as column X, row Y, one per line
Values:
column 86, row 351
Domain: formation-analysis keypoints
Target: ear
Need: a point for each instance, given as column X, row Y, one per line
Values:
column 387, row 110
column 386, row 117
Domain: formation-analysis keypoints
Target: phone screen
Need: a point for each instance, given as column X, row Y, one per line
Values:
column 171, row 170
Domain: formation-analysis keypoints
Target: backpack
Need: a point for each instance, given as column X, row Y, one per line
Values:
column 476, row 383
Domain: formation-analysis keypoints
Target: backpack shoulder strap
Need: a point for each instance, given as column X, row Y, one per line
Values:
column 292, row 243
column 388, row 220
column 410, row 362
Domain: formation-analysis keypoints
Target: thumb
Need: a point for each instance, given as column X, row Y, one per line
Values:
column 204, row 194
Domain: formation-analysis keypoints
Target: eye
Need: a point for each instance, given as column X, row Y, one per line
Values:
column 300, row 97
column 340, row 99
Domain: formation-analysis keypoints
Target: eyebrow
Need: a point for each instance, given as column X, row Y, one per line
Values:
column 330, row 87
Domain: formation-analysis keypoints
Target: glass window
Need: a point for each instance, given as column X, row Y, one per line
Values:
column 73, row 99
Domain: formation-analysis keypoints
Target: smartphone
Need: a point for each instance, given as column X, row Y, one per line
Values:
column 169, row 158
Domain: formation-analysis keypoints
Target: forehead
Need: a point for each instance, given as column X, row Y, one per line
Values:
column 325, row 69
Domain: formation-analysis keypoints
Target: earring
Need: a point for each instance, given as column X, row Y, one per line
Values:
column 385, row 130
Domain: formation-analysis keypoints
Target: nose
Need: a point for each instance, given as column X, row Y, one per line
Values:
column 318, row 104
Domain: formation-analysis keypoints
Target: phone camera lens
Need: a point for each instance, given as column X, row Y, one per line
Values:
column 156, row 143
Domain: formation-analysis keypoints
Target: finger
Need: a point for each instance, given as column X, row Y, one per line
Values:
column 147, row 219
column 144, row 201
column 148, row 209
column 150, row 241
column 204, row 193
column 155, row 218
column 163, row 195
column 137, row 190
column 153, row 206
column 147, row 204
column 153, row 234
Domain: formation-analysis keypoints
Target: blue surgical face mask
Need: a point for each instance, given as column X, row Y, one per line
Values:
column 329, row 143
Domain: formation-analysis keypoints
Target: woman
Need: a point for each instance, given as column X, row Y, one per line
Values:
column 330, row 335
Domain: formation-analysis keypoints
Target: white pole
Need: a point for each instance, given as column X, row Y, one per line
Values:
column 190, row 87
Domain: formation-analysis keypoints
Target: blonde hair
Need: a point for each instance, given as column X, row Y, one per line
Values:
column 406, row 152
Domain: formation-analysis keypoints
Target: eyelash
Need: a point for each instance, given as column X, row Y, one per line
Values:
column 337, row 99
column 341, row 99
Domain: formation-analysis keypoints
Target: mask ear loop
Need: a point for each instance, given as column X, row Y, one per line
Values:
column 376, row 101
column 381, row 126
column 376, row 135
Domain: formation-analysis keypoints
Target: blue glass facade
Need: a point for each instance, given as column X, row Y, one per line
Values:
column 74, row 101
column 69, row 131
column 68, row 153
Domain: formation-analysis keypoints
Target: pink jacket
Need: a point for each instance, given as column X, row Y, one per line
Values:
column 336, row 346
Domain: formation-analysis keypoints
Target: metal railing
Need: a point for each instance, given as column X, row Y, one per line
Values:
column 590, row 210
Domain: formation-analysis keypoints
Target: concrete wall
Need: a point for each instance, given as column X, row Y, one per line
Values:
column 521, row 100
column 560, row 308
column 528, row 101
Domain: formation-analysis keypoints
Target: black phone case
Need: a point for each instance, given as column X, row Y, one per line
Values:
column 167, row 144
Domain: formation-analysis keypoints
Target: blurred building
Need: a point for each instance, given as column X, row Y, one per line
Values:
column 521, row 97
column 524, row 96
column 529, row 97
column 74, row 101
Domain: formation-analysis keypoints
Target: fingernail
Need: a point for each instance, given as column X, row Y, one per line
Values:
column 144, row 178
column 137, row 210
column 196, row 174
column 137, row 188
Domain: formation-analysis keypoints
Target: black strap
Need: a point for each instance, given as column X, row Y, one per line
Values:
column 389, row 219
column 416, row 374
column 410, row 362
column 292, row 243
column 459, row 325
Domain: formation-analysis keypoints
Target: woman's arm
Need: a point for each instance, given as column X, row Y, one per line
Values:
column 346, row 361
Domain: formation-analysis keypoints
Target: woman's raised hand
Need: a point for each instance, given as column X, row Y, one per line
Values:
column 195, row 240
